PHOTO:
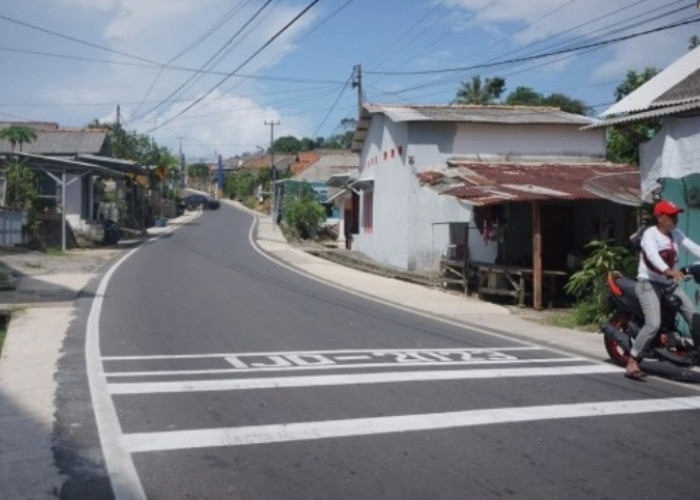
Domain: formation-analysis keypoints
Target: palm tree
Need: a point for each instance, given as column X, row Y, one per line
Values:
column 18, row 134
column 476, row 92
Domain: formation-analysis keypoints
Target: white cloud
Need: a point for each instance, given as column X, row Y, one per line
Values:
column 157, row 30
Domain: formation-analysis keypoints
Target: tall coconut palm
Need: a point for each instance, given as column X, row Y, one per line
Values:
column 478, row 92
column 18, row 134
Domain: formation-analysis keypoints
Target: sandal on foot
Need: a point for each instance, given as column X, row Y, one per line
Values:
column 638, row 375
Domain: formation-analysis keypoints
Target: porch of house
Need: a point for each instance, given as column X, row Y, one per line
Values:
column 555, row 250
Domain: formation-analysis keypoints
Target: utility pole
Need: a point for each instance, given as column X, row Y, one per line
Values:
column 182, row 164
column 273, row 170
column 357, row 83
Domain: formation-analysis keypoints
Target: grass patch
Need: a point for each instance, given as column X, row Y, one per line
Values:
column 572, row 320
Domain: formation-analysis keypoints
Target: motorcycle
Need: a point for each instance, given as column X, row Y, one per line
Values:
column 112, row 232
column 627, row 319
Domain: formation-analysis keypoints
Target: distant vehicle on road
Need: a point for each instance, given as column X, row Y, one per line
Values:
column 195, row 201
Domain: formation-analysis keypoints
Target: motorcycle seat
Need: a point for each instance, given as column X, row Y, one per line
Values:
column 627, row 286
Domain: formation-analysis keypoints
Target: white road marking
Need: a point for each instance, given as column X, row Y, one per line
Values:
column 280, row 433
column 243, row 369
column 352, row 379
column 473, row 350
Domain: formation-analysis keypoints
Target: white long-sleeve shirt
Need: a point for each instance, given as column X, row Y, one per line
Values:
column 654, row 243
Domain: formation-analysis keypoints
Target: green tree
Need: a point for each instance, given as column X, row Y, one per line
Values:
column 478, row 92
column 287, row 144
column 623, row 141
column 18, row 134
column 21, row 186
column 525, row 96
column 199, row 174
column 130, row 145
column 566, row 103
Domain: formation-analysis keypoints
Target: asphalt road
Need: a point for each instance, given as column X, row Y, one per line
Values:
column 216, row 373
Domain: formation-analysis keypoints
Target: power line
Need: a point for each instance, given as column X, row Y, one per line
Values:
column 537, row 56
column 198, row 72
column 77, row 40
column 335, row 103
column 265, row 45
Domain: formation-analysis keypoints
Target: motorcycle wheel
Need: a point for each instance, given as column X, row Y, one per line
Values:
column 617, row 354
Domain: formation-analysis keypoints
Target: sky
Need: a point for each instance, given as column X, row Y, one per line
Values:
column 224, row 77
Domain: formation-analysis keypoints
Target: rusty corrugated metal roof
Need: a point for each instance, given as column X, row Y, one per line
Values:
column 489, row 183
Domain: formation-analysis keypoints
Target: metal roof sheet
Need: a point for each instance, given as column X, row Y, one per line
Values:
column 488, row 183
column 59, row 164
column 125, row 166
column 682, row 70
column 63, row 142
column 479, row 114
column 645, row 115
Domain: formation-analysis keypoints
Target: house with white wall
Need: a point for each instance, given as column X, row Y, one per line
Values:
column 669, row 161
column 404, row 222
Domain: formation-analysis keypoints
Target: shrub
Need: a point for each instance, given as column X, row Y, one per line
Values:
column 303, row 214
column 588, row 285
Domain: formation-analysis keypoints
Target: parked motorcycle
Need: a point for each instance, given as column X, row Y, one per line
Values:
column 627, row 319
column 112, row 232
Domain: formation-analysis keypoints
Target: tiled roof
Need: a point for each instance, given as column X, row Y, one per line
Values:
column 488, row 183
column 327, row 164
column 282, row 161
column 302, row 161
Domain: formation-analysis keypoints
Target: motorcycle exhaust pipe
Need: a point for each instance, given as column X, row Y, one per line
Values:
column 616, row 334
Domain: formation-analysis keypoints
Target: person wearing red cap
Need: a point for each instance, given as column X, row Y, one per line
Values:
column 658, row 255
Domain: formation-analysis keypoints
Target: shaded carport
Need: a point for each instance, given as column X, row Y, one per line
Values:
column 57, row 169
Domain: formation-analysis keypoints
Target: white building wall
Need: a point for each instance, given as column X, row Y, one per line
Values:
column 408, row 219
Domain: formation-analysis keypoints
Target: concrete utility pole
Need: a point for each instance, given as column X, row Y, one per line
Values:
column 182, row 164
column 273, row 170
column 357, row 83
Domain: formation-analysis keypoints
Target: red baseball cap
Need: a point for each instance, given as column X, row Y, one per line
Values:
column 667, row 208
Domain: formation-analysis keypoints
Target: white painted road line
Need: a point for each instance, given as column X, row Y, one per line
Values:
column 352, row 379
column 473, row 350
column 279, row 433
column 220, row 371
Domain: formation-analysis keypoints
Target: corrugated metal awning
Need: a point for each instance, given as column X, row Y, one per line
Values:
column 489, row 183
column 653, row 113
column 125, row 166
column 60, row 164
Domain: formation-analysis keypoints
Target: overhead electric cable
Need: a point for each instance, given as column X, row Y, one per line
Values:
column 335, row 103
column 265, row 45
column 537, row 56
column 78, row 40
column 175, row 92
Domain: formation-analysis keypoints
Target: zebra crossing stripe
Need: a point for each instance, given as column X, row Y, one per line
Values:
column 351, row 379
column 301, row 431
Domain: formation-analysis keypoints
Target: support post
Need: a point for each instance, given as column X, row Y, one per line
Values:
column 536, row 256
